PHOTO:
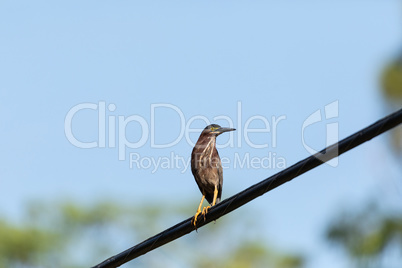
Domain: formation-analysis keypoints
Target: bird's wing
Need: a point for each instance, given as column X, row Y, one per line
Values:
column 220, row 175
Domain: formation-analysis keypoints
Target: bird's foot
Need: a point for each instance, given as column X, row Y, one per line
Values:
column 205, row 211
column 194, row 221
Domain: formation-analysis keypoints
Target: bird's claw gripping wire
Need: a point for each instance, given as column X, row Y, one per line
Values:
column 205, row 211
column 194, row 220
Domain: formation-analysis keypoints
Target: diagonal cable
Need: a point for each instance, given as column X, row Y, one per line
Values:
column 256, row 190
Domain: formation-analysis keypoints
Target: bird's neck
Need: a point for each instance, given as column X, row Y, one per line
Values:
column 205, row 145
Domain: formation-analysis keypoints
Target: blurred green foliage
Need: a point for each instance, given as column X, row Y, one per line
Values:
column 392, row 81
column 392, row 90
column 368, row 235
column 254, row 254
column 66, row 234
column 24, row 245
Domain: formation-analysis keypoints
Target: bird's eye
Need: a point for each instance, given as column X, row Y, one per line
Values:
column 213, row 128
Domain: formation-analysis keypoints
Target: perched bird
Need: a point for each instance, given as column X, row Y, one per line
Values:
column 206, row 167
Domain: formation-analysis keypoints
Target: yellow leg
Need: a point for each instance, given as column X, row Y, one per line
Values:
column 198, row 211
column 205, row 210
column 215, row 196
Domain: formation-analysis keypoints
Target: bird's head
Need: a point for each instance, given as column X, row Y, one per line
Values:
column 216, row 130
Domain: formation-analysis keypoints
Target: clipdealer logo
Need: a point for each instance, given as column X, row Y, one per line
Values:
column 331, row 111
column 111, row 133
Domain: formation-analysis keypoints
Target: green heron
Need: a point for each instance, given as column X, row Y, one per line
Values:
column 206, row 167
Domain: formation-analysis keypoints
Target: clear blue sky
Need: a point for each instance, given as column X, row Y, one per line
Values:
column 276, row 59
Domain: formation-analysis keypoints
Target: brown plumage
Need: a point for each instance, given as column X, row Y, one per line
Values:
column 206, row 166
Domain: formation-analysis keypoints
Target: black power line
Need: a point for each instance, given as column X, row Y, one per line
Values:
column 256, row 190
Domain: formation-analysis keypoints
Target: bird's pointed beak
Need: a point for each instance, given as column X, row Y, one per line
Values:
column 221, row 130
